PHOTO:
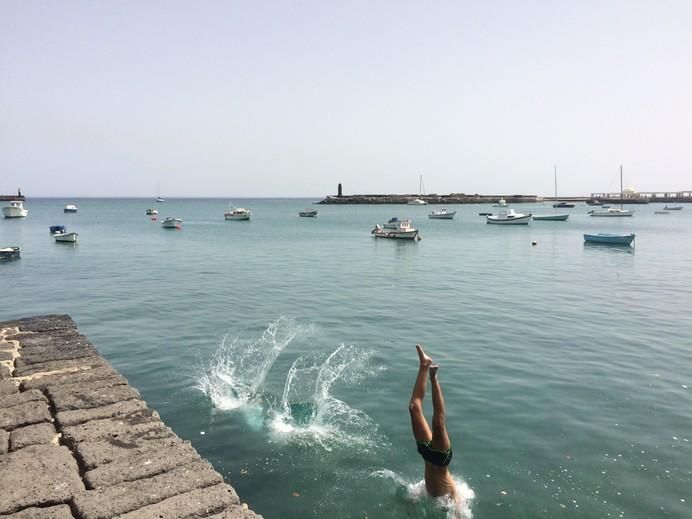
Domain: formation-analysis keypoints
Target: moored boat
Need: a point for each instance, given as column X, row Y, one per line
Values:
column 308, row 213
column 10, row 253
column 171, row 223
column 501, row 203
column 442, row 214
column 560, row 205
column 57, row 229
column 403, row 231
column 550, row 217
column 509, row 217
column 70, row 208
column 607, row 211
column 673, row 208
column 237, row 213
column 151, row 211
column 15, row 210
column 609, row 239
column 65, row 237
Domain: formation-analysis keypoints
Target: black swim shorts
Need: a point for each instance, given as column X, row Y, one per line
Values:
column 434, row 456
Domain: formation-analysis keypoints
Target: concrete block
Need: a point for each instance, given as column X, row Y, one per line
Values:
column 6, row 355
column 95, row 454
column 4, row 372
column 140, row 465
column 65, row 418
column 24, row 414
column 38, row 475
column 7, row 387
column 126, row 497
column 39, row 434
column 78, row 377
column 92, row 394
column 236, row 512
column 144, row 423
column 197, row 503
column 45, row 323
column 52, row 512
column 23, row 370
column 4, row 441
column 21, row 398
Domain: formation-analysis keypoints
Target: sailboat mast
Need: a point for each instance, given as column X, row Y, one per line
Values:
column 555, row 182
column 621, row 186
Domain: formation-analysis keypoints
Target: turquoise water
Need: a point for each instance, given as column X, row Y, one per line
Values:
column 283, row 348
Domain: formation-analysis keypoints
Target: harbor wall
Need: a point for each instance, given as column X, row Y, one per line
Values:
column 77, row 441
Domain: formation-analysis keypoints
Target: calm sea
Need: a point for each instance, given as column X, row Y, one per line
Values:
column 283, row 348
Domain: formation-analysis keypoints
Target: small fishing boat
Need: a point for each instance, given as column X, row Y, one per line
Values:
column 65, row 237
column 563, row 205
column 593, row 201
column 151, row 211
column 10, row 253
column 501, row 203
column 237, row 213
column 308, row 213
column 509, row 217
column 171, row 223
column 15, row 210
column 673, row 208
column 442, row 214
column 403, row 231
column 393, row 223
column 609, row 239
column 70, row 208
column 551, row 217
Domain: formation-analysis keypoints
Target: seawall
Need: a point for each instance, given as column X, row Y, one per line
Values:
column 454, row 198
column 77, row 441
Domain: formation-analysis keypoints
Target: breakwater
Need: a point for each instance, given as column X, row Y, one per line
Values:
column 77, row 441
column 454, row 198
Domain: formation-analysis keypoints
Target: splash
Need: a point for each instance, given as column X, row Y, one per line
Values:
column 309, row 414
column 237, row 371
column 426, row 506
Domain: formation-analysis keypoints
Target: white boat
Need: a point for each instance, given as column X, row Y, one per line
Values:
column 70, row 208
column 393, row 223
column 509, row 217
column 15, row 210
column 308, row 213
column 673, row 208
column 442, row 214
column 159, row 199
column 171, row 223
column 66, row 237
column 607, row 211
column 10, row 253
column 151, row 211
column 419, row 200
column 501, row 203
column 237, row 213
column 403, row 231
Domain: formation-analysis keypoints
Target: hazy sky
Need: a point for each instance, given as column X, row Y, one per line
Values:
column 288, row 98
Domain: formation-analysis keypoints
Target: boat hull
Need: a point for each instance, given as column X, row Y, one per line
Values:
column 612, row 213
column 551, row 217
column 14, row 212
column 397, row 235
column 10, row 253
column 237, row 216
column 171, row 223
column 518, row 220
column 674, row 208
column 308, row 214
column 609, row 239
column 66, row 237
column 442, row 216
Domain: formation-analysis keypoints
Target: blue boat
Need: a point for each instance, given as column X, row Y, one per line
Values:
column 609, row 239
column 57, row 229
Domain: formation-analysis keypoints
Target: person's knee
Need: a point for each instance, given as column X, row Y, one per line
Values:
column 415, row 408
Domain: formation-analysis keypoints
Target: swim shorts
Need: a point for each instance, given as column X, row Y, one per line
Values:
column 434, row 456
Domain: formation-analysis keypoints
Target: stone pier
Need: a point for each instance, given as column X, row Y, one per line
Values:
column 77, row 441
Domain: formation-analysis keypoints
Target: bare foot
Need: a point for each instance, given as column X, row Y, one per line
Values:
column 425, row 360
column 433, row 371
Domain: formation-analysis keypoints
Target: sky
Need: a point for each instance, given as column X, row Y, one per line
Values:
column 289, row 98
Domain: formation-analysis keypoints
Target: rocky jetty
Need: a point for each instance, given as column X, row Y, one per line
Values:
column 453, row 198
column 77, row 441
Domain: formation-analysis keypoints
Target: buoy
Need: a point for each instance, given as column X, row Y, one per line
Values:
column 534, row 243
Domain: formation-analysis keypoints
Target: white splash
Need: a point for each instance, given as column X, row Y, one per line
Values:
column 414, row 492
column 237, row 371
column 309, row 414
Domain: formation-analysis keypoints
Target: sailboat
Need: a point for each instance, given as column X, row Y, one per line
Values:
column 563, row 203
column 158, row 191
column 419, row 200
column 554, row 217
column 613, row 211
